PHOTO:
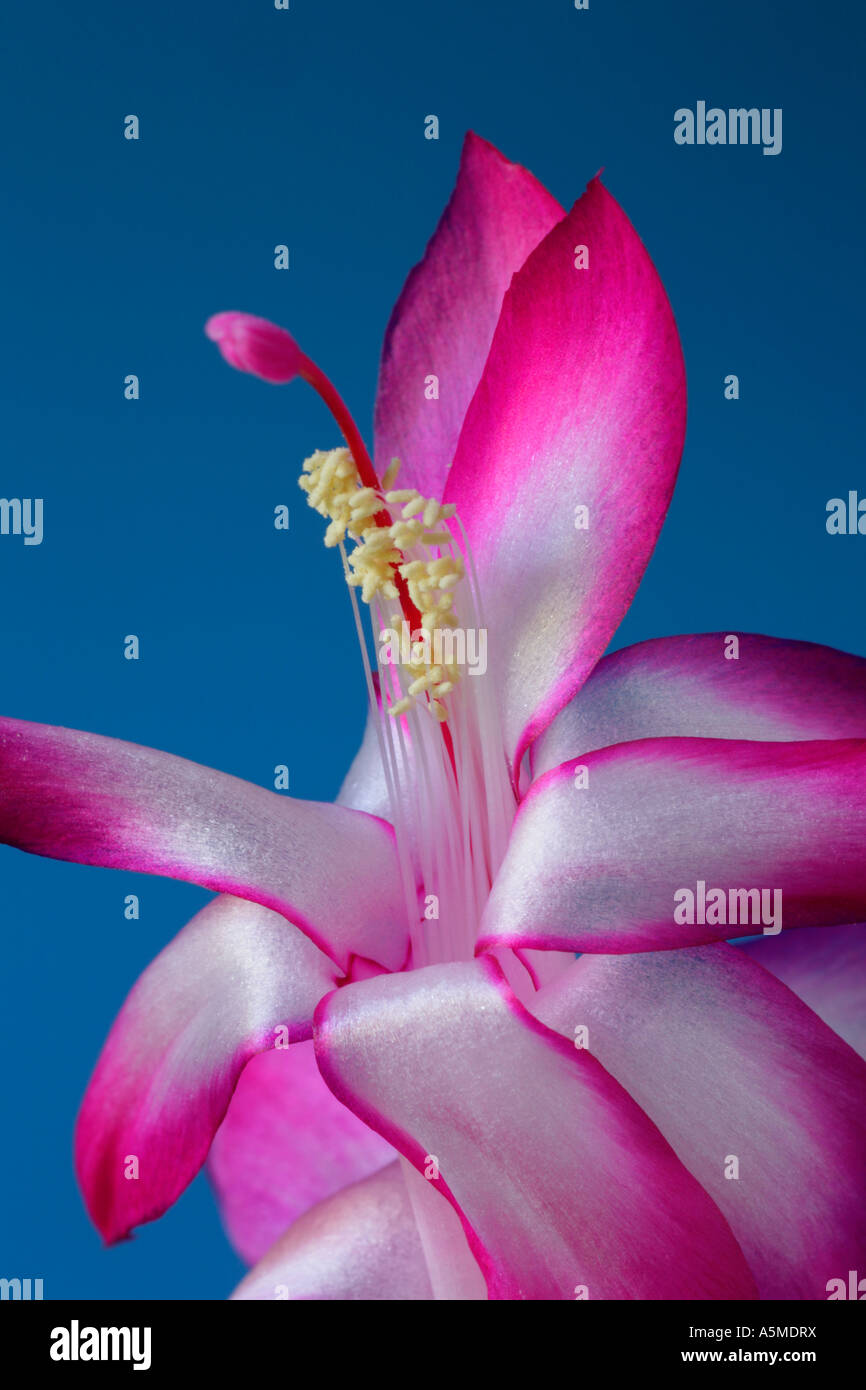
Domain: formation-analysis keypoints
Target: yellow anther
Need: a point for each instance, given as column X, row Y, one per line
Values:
column 334, row 489
column 390, row 474
column 364, row 512
column 446, row 564
column 422, row 683
column 406, row 533
column 362, row 496
column 379, row 539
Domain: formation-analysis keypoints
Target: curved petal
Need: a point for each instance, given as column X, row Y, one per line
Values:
column 735, row 1070
column 608, row 866
column 826, row 967
column 581, row 404
column 236, row 980
column 686, row 687
column 559, row 1178
column 94, row 800
column 285, row 1144
column 442, row 324
column 361, row 1243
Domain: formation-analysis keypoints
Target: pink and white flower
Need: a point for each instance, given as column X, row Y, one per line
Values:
column 431, row 1129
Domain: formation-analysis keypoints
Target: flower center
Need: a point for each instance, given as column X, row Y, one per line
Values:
column 432, row 704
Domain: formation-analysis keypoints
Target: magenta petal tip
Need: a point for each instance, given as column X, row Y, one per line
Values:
column 255, row 345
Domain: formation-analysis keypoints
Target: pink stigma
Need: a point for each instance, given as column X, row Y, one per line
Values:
column 257, row 346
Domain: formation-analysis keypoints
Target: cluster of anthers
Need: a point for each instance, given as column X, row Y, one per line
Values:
column 410, row 547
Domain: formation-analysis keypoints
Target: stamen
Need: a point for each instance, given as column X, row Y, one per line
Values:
column 452, row 802
column 379, row 564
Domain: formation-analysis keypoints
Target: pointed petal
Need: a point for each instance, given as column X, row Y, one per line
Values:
column 361, row 1243
column 687, row 687
column 285, row 1144
column 443, row 322
column 731, row 1066
column 582, row 403
column 826, row 967
column 94, row 800
column 558, row 1177
column 603, row 867
column 211, row 1000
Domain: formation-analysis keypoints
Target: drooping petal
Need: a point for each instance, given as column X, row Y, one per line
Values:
column 94, row 800
column 608, row 866
column 237, row 979
column 826, row 967
column 285, row 1144
column 760, row 1100
column 560, row 1180
column 581, row 404
column 688, row 687
column 361, row 1243
column 442, row 324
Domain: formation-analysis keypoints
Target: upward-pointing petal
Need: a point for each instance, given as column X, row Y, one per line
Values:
column 443, row 322
column 581, row 404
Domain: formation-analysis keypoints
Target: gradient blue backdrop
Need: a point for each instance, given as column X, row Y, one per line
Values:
column 306, row 127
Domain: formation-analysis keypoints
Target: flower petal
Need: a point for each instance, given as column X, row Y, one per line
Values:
column 581, row 403
column 285, row 1144
column 558, row 1177
column 214, row 997
column 732, row 1066
column 95, row 800
column 361, row 1243
column 443, row 322
column 826, row 967
column 596, row 867
column 686, row 687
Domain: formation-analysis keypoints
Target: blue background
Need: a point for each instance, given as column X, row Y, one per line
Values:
column 306, row 127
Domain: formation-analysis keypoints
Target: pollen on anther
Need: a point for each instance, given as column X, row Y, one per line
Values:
column 335, row 490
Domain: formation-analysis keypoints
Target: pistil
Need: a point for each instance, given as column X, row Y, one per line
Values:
column 451, row 798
